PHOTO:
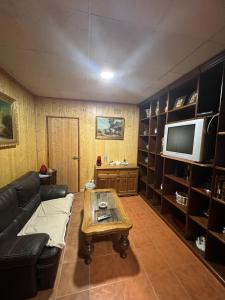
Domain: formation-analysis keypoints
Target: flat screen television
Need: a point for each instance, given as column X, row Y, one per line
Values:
column 185, row 139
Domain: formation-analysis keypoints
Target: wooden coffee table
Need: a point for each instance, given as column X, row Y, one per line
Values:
column 118, row 223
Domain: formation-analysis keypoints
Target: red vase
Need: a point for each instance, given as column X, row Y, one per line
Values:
column 99, row 161
column 43, row 169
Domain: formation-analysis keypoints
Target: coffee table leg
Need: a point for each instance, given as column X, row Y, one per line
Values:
column 89, row 248
column 124, row 244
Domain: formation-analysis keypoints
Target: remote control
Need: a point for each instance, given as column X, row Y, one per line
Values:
column 103, row 217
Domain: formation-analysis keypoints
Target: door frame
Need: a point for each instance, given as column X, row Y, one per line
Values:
column 47, row 135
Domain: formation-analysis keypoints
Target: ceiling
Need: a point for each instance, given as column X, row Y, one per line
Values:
column 57, row 48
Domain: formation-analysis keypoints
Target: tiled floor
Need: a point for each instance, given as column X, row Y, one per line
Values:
column 159, row 265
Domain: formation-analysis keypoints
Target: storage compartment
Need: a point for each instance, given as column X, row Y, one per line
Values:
column 220, row 151
column 144, row 111
column 144, row 127
column 183, row 113
column 160, row 132
column 152, row 144
column 199, row 208
column 210, row 89
column 217, row 218
column 143, row 158
column 159, row 172
column 201, row 180
column 153, row 126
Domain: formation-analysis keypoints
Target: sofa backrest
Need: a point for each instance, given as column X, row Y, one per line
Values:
column 9, row 209
column 26, row 186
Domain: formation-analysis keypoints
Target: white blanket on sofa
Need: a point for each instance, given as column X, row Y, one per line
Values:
column 50, row 217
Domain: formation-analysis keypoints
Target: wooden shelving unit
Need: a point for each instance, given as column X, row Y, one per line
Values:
column 205, row 210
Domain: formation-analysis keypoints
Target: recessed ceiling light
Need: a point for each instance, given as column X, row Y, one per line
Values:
column 107, row 75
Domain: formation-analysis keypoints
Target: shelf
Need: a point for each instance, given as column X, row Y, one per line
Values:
column 151, row 185
column 143, row 179
column 218, row 269
column 144, row 119
column 219, row 200
column 142, row 164
column 151, row 152
column 158, row 191
column 143, row 150
column 153, row 135
column 206, row 165
column 153, row 116
column 144, row 135
column 201, row 191
column 170, row 221
column 220, row 168
column 200, row 220
column 177, row 179
column 218, row 235
column 188, row 106
column 172, row 200
column 162, row 114
column 221, row 133
column 197, row 251
column 152, row 169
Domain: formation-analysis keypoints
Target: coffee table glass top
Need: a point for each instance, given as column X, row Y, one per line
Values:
column 111, row 209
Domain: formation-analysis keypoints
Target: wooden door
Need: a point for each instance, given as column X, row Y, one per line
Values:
column 63, row 150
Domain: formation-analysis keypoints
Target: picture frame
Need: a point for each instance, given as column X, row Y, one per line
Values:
column 110, row 128
column 8, row 122
column 179, row 102
column 193, row 98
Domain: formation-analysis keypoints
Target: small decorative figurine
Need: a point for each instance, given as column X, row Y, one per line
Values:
column 99, row 161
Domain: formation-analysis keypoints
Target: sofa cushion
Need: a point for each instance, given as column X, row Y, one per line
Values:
column 26, row 186
column 9, row 209
column 33, row 204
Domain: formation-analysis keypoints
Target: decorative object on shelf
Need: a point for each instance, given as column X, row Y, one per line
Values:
column 124, row 162
column 179, row 102
column 145, row 132
column 181, row 198
column 147, row 111
column 220, row 184
column 206, row 213
column 193, row 98
column 207, row 185
column 223, row 230
column 8, row 122
column 43, row 169
column 155, row 131
column 161, row 186
column 200, row 243
column 147, row 146
column 157, row 108
column 166, row 107
column 146, row 160
column 90, row 185
column 99, row 161
column 110, row 128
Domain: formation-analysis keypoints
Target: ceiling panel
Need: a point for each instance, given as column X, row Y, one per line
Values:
column 204, row 52
column 57, row 48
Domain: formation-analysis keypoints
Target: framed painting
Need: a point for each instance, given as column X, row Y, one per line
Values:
column 8, row 128
column 110, row 128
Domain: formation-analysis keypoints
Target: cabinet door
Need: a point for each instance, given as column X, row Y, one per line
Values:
column 132, row 184
column 122, row 186
column 112, row 183
column 103, row 183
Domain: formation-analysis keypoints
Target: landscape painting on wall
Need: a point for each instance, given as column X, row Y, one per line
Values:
column 8, row 134
column 110, row 128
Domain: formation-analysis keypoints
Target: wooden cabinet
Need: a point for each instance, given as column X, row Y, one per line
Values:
column 122, row 178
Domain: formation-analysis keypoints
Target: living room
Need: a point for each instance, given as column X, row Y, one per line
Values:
column 146, row 69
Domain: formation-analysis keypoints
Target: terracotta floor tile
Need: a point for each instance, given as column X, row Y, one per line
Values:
column 112, row 291
column 74, row 278
column 199, row 282
column 138, row 288
column 103, row 270
column 152, row 261
column 167, row 287
column 85, row 295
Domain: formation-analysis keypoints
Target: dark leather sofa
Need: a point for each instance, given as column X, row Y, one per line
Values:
column 26, row 264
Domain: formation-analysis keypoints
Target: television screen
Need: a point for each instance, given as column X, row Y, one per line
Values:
column 181, row 138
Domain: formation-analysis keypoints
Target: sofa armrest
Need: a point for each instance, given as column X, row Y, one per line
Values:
column 20, row 251
column 48, row 192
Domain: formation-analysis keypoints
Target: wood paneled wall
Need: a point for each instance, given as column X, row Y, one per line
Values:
column 89, row 146
column 16, row 161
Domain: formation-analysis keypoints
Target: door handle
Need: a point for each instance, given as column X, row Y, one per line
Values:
column 76, row 157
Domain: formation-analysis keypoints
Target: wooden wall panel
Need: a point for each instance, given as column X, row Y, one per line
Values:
column 89, row 146
column 16, row 161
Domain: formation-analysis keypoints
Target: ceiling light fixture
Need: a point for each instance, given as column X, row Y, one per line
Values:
column 107, row 75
